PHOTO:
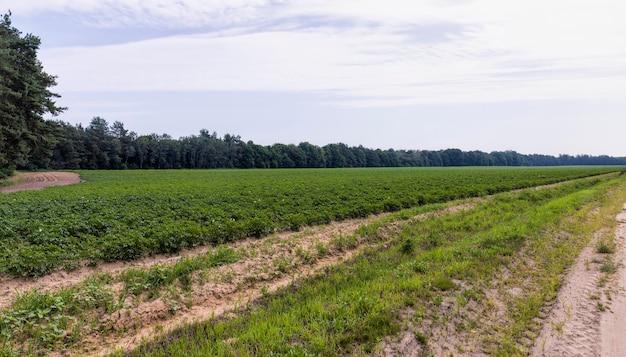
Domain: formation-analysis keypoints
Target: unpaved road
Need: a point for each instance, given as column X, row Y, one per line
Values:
column 39, row 180
column 589, row 316
column 613, row 322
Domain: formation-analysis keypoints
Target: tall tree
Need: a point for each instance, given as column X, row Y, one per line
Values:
column 24, row 99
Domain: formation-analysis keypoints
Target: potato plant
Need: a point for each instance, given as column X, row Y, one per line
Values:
column 124, row 215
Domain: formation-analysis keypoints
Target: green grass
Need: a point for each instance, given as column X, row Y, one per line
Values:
column 605, row 246
column 40, row 321
column 137, row 281
column 350, row 308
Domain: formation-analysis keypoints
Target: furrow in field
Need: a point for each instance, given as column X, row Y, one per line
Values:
column 236, row 285
column 267, row 264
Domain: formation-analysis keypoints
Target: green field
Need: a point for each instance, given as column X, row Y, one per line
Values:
column 438, row 281
column 123, row 215
column 438, row 271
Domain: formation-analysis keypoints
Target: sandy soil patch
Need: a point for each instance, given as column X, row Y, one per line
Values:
column 589, row 315
column 613, row 322
column 39, row 180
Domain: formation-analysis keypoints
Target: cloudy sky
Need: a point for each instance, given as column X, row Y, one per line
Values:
column 533, row 76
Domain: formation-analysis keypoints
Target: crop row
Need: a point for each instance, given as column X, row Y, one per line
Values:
column 125, row 215
column 441, row 285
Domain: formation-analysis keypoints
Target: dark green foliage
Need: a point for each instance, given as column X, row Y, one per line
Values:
column 259, row 227
column 407, row 246
column 348, row 309
column 34, row 260
column 125, row 248
column 104, row 146
column 124, row 215
column 24, row 99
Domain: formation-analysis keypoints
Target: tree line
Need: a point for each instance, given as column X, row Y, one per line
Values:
column 28, row 141
column 101, row 145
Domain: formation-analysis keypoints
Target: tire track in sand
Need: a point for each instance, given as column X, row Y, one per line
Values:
column 589, row 316
column 40, row 180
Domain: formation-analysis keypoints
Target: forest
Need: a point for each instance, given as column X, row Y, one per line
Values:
column 30, row 142
column 101, row 145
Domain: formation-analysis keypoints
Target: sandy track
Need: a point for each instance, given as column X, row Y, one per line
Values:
column 589, row 316
column 39, row 180
column 613, row 322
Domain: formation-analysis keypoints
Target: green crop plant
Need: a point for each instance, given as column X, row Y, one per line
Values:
column 351, row 307
column 122, row 215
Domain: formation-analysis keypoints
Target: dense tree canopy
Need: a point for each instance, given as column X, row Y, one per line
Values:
column 24, row 99
column 30, row 142
column 111, row 146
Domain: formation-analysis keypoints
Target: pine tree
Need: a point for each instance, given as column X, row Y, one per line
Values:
column 24, row 99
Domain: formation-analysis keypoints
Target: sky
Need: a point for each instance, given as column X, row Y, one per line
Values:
column 534, row 76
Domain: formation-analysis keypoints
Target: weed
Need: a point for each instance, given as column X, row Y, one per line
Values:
column 306, row 256
column 322, row 250
column 605, row 247
column 418, row 266
column 602, row 281
column 282, row 264
column 558, row 327
column 608, row 267
column 407, row 246
column 421, row 337
column 443, row 283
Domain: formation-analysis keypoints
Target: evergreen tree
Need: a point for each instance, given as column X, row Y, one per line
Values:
column 24, row 99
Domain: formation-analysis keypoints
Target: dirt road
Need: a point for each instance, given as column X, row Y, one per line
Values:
column 589, row 316
column 39, row 180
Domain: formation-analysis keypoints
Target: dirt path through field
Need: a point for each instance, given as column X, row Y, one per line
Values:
column 267, row 265
column 613, row 322
column 39, row 180
column 589, row 316
column 10, row 287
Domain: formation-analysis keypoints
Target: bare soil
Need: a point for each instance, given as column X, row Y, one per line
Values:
column 268, row 264
column 589, row 316
column 613, row 321
column 586, row 319
column 39, row 180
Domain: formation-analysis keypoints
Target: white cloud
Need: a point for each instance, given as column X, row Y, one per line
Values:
column 152, row 13
column 499, row 51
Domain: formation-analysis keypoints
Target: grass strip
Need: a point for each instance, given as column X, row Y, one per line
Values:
column 351, row 308
column 38, row 321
